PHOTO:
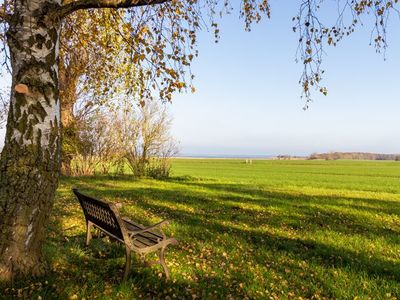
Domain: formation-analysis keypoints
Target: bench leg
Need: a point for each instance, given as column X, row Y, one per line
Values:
column 88, row 232
column 127, row 263
column 163, row 264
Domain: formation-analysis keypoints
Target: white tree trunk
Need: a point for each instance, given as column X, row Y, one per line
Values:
column 30, row 161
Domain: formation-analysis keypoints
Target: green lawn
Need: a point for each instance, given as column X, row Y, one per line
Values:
column 273, row 229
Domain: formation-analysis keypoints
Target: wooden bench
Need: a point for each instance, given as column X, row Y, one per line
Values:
column 105, row 217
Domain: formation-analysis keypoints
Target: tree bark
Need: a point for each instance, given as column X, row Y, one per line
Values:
column 68, row 82
column 30, row 161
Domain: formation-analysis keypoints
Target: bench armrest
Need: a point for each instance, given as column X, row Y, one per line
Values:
column 155, row 226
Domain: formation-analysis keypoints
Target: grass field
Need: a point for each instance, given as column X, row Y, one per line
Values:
column 269, row 230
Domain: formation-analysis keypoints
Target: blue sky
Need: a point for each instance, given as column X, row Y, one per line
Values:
column 248, row 97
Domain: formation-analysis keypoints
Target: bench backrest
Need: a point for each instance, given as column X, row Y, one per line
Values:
column 102, row 214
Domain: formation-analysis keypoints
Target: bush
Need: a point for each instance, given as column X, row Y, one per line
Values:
column 146, row 140
column 158, row 168
column 83, row 165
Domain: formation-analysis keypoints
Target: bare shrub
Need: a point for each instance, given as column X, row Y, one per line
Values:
column 147, row 142
column 98, row 148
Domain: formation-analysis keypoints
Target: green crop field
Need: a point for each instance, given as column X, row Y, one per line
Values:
column 266, row 230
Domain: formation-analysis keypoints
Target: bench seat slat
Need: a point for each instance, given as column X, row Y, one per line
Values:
column 148, row 237
column 143, row 241
column 131, row 226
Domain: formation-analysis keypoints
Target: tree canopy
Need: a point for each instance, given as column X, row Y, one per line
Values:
column 160, row 41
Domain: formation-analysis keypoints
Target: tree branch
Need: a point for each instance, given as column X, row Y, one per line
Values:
column 69, row 8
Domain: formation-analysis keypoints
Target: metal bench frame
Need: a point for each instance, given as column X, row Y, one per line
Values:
column 136, row 238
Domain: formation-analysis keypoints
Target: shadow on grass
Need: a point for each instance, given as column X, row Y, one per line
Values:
column 328, row 212
column 222, row 218
column 211, row 213
column 323, row 215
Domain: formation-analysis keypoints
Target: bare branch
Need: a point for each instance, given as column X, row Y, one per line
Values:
column 69, row 8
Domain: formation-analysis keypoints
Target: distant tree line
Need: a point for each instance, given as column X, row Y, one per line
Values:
column 354, row 155
column 289, row 157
